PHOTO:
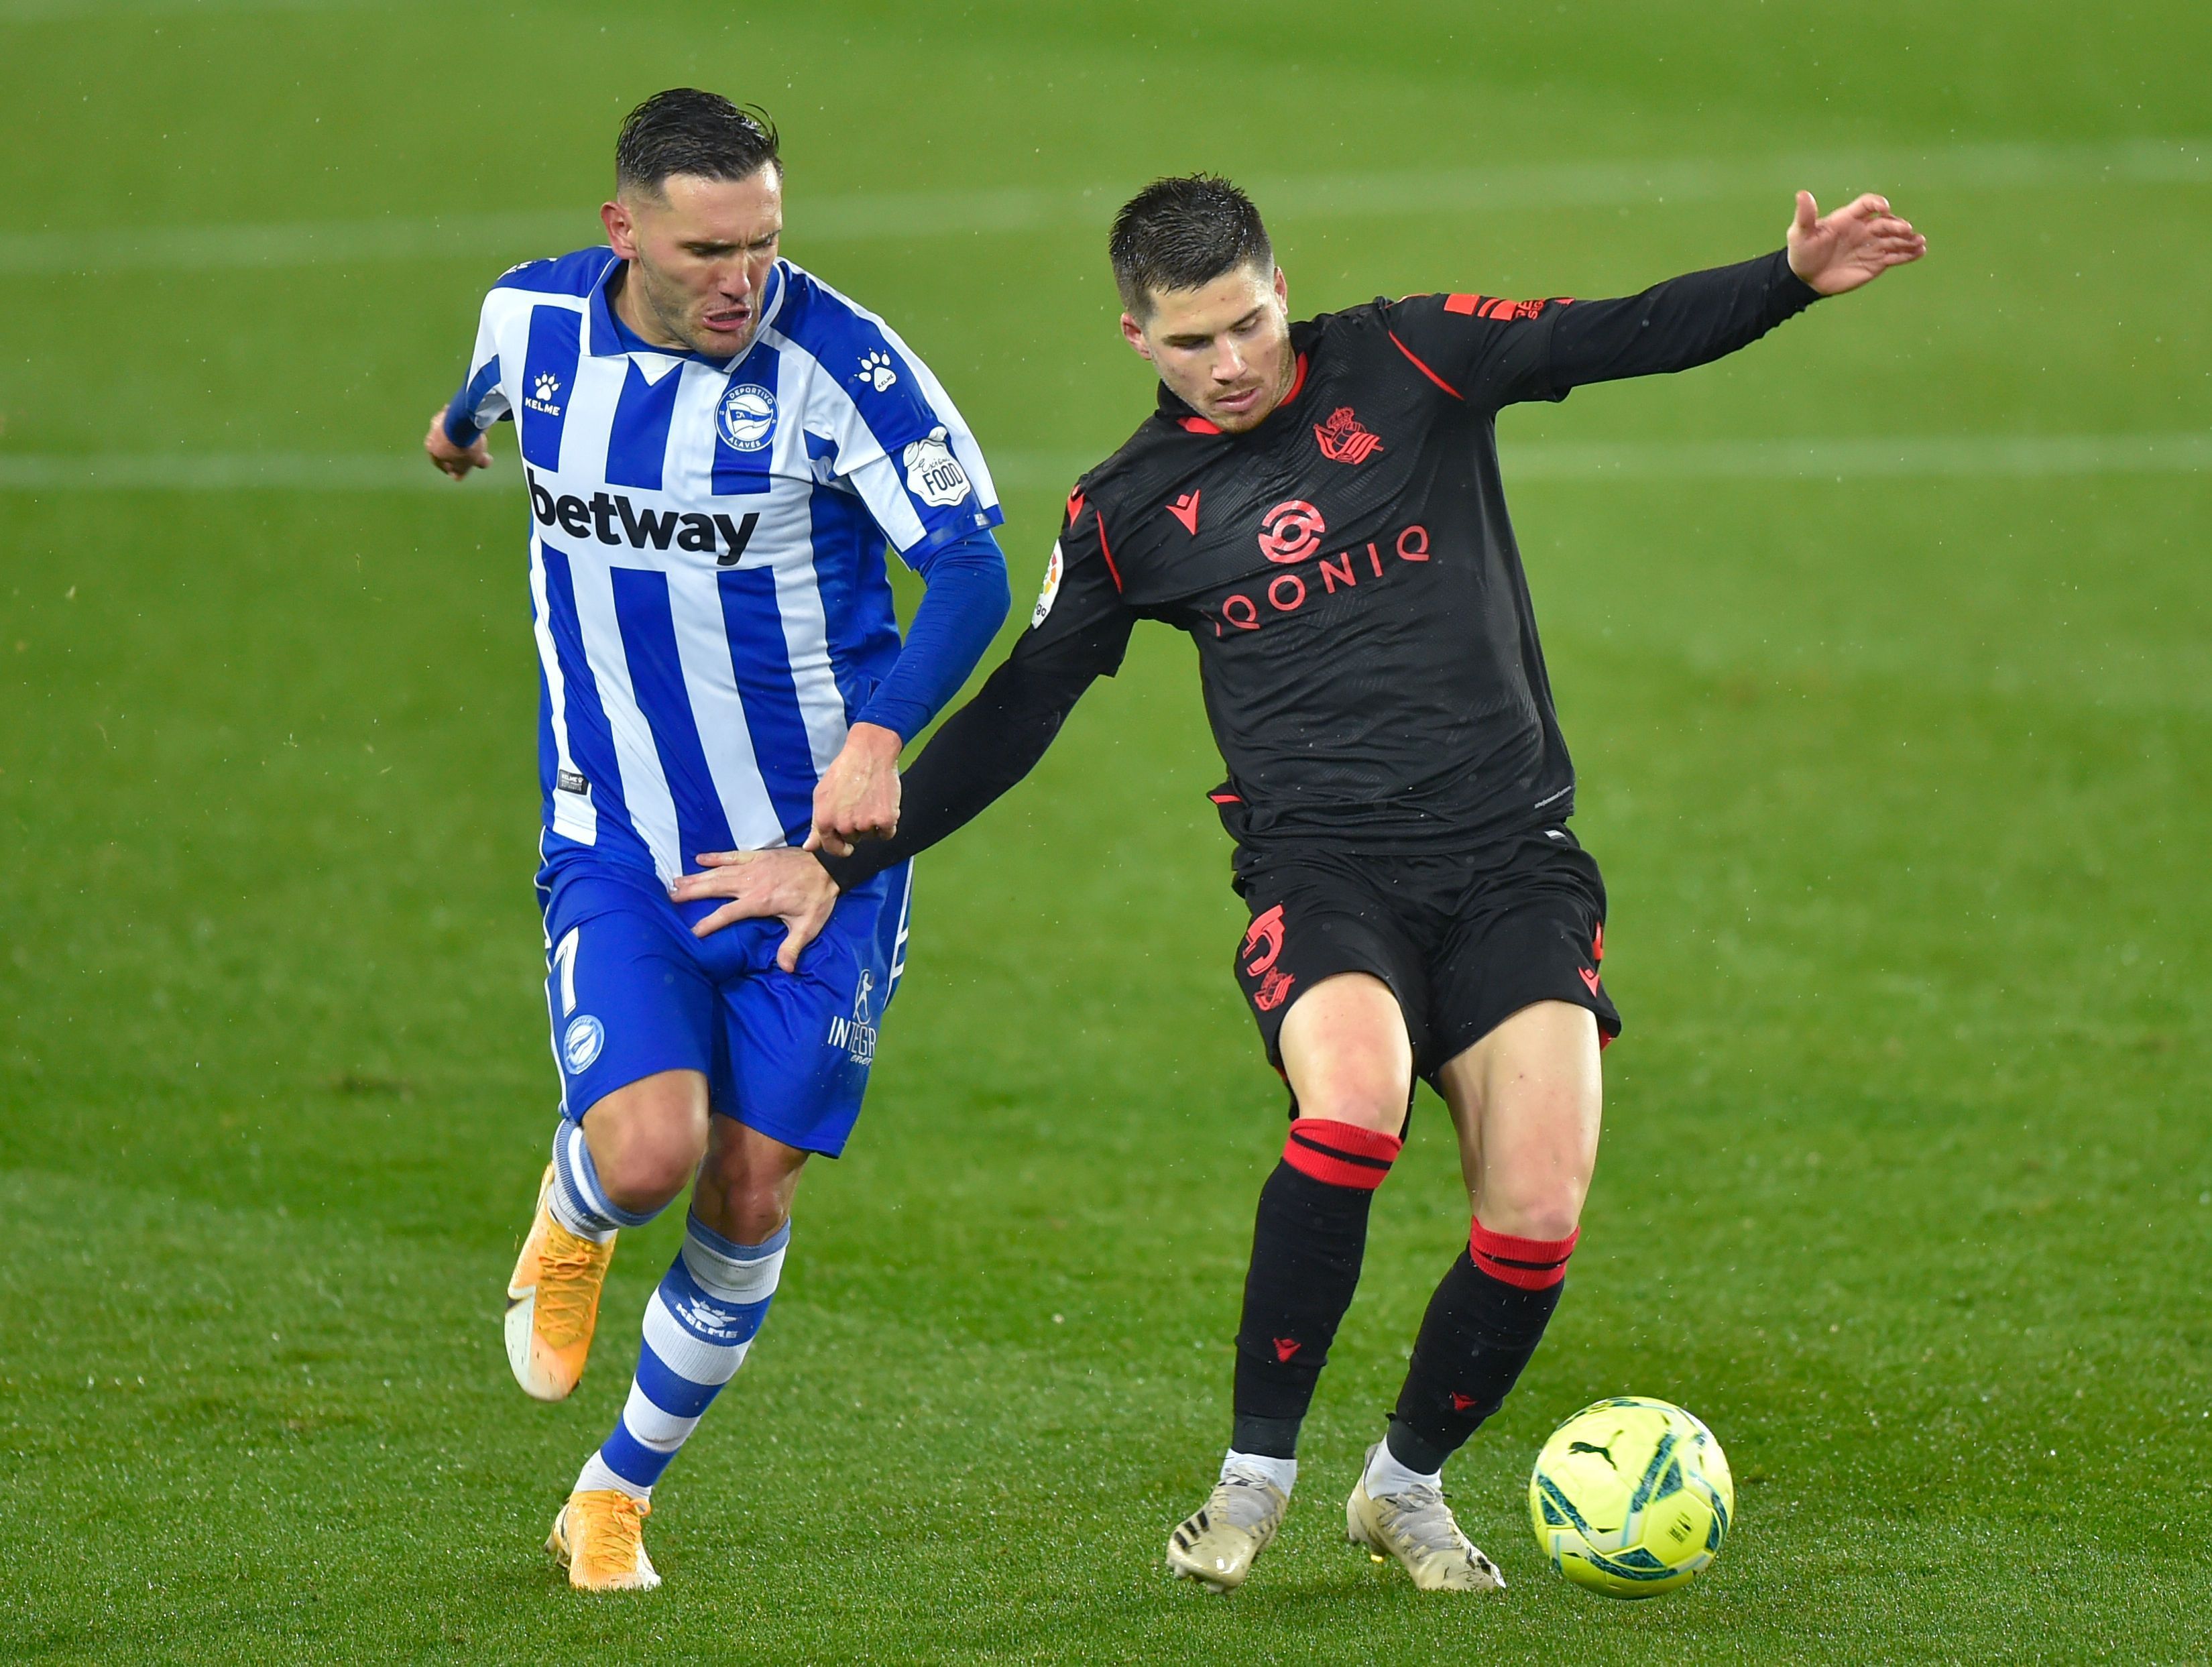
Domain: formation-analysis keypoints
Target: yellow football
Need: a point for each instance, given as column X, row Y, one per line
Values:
column 1631, row 1497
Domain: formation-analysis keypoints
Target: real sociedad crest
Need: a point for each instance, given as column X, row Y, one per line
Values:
column 747, row 416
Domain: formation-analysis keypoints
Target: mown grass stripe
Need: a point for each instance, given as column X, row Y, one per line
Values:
column 1927, row 456
column 909, row 216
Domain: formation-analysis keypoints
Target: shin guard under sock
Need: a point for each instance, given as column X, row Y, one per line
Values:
column 1307, row 1242
column 698, row 1326
column 1481, row 1327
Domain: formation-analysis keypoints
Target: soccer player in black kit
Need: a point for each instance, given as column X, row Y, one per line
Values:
column 1318, row 506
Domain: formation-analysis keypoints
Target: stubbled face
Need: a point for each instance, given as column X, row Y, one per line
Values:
column 1223, row 348
column 700, row 251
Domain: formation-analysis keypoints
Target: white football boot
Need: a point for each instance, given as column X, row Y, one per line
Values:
column 1216, row 1544
column 1417, row 1529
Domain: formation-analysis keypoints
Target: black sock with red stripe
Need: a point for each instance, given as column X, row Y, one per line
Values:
column 1483, row 1325
column 1307, row 1243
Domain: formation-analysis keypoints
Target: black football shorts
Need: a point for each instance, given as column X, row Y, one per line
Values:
column 1464, row 940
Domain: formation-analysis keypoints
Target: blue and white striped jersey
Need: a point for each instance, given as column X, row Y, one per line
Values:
column 706, row 548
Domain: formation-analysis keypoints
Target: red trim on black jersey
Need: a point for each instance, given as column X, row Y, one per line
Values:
column 1423, row 369
column 1114, row 571
column 1197, row 425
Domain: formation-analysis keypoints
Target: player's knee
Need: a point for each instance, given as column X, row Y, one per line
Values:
column 1377, row 1106
column 647, row 1141
column 752, row 1188
column 753, row 1209
column 1547, row 1207
column 646, row 1174
column 1368, row 1089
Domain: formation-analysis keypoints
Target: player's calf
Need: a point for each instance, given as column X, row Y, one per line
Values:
column 699, row 1327
column 649, row 1136
column 553, row 1294
column 1308, row 1240
column 1483, row 1323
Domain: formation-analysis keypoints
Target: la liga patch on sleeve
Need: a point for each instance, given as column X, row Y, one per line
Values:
column 1051, row 588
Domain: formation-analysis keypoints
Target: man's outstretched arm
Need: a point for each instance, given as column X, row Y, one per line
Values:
column 1489, row 352
column 1696, row 319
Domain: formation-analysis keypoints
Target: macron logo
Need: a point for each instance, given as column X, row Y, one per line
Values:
column 613, row 519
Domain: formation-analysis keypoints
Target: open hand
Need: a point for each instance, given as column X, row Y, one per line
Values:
column 857, row 796
column 1855, row 245
column 451, row 459
column 787, row 885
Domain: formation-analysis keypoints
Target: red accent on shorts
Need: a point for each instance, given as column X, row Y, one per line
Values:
column 1285, row 1347
column 1340, row 1155
column 1532, row 1264
column 1224, row 798
column 1114, row 571
column 1597, row 943
column 1423, row 369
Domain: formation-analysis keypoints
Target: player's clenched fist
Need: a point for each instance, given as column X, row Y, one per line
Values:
column 857, row 796
column 451, row 459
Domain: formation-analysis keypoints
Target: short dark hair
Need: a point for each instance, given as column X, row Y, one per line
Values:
column 685, row 131
column 1179, row 233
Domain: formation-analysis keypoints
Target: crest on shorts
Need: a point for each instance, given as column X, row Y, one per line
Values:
column 581, row 1043
column 1263, row 944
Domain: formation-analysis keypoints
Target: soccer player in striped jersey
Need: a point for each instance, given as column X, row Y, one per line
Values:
column 717, row 447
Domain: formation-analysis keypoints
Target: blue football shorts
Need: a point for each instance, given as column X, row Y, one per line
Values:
column 630, row 992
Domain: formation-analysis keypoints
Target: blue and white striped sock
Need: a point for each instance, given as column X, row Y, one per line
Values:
column 578, row 1202
column 698, row 1327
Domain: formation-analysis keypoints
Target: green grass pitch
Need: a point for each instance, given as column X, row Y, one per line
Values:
column 1894, row 745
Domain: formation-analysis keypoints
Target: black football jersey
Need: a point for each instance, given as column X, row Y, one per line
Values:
column 1347, row 570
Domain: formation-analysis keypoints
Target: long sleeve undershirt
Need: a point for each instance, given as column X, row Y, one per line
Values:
column 962, row 605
